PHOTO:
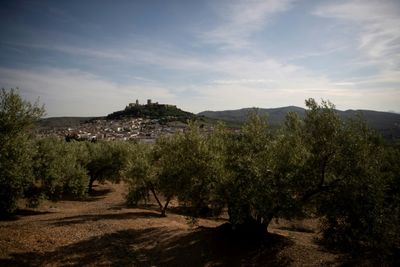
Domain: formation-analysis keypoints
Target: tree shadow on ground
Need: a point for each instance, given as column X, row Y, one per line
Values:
column 119, row 206
column 351, row 256
column 151, row 207
column 371, row 258
column 189, row 211
column 18, row 214
column 100, row 192
column 94, row 195
column 178, row 210
column 79, row 219
column 163, row 247
column 294, row 228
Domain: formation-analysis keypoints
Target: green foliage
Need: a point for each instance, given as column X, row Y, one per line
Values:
column 140, row 174
column 153, row 111
column 246, row 186
column 106, row 161
column 390, row 171
column 186, row 168
column 362, row 212
column 289, row 156
column 17, row 117
column 59, row 168
column 353, row 187
column 182, row 166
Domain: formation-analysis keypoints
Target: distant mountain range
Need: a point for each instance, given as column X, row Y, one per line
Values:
column 388, row 124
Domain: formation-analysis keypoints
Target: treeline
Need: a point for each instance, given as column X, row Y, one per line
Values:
column 37, row 169
column 319, row 166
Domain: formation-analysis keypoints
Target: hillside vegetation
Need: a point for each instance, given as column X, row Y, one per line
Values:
column 152, row 111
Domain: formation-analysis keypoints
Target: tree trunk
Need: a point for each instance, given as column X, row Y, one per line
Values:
column 266, row 222
column 91, row 184
column 162, row 208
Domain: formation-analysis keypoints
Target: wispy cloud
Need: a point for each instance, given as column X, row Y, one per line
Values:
column 243, row 68
column 244, row 81
column 239, row 20
column 134, row 55
column 319, row 53
column 219, row 66
column 378, row 23
column 344, row 83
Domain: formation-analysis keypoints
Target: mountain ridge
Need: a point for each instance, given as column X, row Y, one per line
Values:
column 387, row 123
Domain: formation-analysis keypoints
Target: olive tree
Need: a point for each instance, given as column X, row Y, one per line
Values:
column 186, row 168
column 17, row 119
column 59, row 168
column 277, row 175
column 181, row 166
column 362, row 210
column 106, row 161
column 140, row 174
column 246, row 188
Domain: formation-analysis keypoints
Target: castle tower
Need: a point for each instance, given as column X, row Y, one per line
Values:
column 137, row 102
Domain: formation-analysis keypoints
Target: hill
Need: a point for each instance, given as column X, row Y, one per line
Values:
column 275, row 115
column 388, row 124
column 62, row 122
column 152, row 111
column 161, row 112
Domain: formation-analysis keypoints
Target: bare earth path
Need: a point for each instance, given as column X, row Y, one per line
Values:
column 101, row 231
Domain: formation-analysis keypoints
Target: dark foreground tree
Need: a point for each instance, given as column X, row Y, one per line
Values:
column 106, row 161
column 362, row 213
column 17, row 119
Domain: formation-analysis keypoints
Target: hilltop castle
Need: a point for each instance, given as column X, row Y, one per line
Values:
column 150, row 104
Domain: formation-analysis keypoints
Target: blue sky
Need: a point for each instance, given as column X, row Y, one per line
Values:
column 85, row 58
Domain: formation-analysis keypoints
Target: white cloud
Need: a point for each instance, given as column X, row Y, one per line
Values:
column 241, row 19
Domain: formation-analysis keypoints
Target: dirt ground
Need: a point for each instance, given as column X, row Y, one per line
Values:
column 102, row 231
